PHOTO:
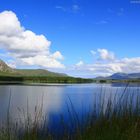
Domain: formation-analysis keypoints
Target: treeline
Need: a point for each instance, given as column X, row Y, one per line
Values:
column 58, row 79
column 43, row 79
column 11, row 78
column 117, row 81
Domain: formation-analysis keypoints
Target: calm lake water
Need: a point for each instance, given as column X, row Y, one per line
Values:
column 59, row 100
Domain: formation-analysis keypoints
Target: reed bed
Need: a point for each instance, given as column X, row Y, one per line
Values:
column 118, row 118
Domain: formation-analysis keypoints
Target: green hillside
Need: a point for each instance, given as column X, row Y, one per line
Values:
column 38, row 72
column 5, row 70
column 9, row 75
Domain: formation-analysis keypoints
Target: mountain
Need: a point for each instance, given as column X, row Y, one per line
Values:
column 5, row 70
column 4, row 67
column 118, row 76
column 121, row 76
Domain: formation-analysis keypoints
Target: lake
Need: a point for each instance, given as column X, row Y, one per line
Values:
column 60, row 101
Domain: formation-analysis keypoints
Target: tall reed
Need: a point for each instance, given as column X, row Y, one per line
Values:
column 117, row 118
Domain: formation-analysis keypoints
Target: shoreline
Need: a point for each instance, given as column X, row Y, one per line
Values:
column 17, row 83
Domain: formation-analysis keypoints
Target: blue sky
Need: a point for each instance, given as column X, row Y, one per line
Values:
column 110, row 28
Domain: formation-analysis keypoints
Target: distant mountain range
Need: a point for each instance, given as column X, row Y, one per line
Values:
column 5, row 70
column 125, row 76
column 121, row 76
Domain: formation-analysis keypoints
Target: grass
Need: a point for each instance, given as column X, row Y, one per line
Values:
column 115, row 119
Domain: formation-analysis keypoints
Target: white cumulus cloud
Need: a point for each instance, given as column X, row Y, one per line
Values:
column 105, row 54
column 25, row 46
column 108, row 64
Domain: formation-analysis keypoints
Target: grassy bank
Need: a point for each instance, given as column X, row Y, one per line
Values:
column 114, row 119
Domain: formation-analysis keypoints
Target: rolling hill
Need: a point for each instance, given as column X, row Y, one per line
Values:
column 22, row 76
column 5, row 70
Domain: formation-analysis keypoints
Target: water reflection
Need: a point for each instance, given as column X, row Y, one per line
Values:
column 23, row 96
column 58, row 100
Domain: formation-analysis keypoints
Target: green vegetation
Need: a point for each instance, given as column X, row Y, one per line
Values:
column 113, row 120
column 30, row 72
column 56, row 80
column 18, row 79
column 38, row 72
column 42, row 79
column 25, row 76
